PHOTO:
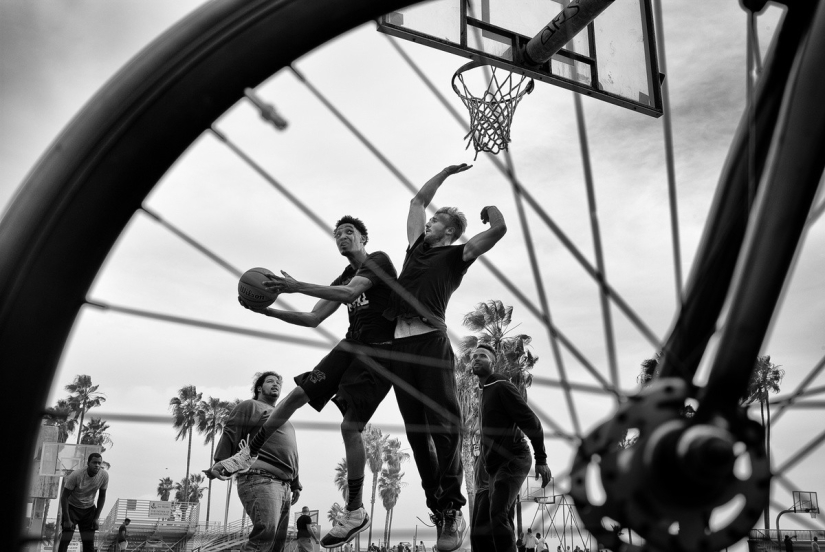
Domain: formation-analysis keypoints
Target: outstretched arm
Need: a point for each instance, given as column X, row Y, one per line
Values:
column 320, row 312
column 417, row 216
column 340, row 294
column 484, row 241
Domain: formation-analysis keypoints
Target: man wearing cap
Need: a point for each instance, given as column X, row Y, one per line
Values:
column 505, row 420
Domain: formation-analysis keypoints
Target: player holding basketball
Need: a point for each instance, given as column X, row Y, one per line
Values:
column 346, row 375
column 433, row 270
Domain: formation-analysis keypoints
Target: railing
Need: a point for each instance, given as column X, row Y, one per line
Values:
column 151, row 521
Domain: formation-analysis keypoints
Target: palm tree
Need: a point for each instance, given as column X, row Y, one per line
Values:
column 389, row 488
column 184, row 418
column 374, row 444
column 390, row 482
column 490, row 321
column 189, row 490
column 341, row 478
column 765, row 380
column 94, row 433
column 63, row 416
column 84, row 396
column 334, row 513
column 165, row 488
column 211, row 416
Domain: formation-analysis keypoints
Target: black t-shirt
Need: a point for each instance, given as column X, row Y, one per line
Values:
column 302, row 524
column 366, row 321
column 122, row 534
column 430, row 275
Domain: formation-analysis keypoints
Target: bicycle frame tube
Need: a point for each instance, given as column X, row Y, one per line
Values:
column 713, row 270
column 791, row 178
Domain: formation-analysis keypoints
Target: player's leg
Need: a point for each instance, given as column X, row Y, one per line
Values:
column 360, row 393
column 86, row 525
column 282, row 412
column 480, row 534
column 415, row 419
column 504, row 488
column 248, row 452
column 67, row 534
column 316, row 387
column 437, row 382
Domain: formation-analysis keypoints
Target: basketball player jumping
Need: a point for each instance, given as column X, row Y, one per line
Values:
column 423, row 358
column 346, row 375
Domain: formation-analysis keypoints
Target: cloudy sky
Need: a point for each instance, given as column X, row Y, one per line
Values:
column 55, row 54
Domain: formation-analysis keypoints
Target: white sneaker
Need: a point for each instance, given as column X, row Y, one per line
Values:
column 354, row 522
column 452, row 533
column 240, row 461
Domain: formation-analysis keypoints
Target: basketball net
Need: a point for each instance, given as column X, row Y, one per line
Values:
column 491, row 114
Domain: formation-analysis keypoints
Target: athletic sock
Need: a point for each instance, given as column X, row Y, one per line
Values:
column 257, row 442
column 356, row 486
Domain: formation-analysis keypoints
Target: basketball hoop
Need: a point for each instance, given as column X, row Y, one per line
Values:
column 491, row 114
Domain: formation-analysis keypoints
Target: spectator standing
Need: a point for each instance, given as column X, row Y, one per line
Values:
column 123, row 535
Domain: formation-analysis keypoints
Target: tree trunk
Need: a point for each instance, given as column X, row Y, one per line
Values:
column 226, row 509
column 80, row 429
column 372, row 503
column 766, row 514
column 209, row 491
column 767, row 426
column 185, row 497
column 389, row 524
column 386, row 529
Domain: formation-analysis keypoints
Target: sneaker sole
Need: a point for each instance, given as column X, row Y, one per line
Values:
column 349, row 537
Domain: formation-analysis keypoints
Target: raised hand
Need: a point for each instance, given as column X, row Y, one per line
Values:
column 453, row 169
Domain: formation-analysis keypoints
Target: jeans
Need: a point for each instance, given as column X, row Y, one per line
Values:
column 304, row 544
column 433, row 431
column 492, row 524
column 84, row 518
column 266, row 502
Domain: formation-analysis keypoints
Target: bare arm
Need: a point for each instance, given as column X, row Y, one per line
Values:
column 320, row 312
column 484, row 241
column 101, row 500
column 340, row 294
column 417, row 216
column 64, row 507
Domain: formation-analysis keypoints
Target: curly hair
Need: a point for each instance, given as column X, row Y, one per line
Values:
column 358, row 223
column 259, row 379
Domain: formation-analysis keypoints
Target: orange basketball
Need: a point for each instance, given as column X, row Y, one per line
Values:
column 252, row 290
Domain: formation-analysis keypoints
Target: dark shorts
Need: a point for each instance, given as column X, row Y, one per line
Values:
column 351, row 375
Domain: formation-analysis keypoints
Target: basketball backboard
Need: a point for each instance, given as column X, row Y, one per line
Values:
column 60, row 459
column 532, row 491
column 613, row 59
column 805, row 502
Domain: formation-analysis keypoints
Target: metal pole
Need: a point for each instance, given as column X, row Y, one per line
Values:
column 570, row 21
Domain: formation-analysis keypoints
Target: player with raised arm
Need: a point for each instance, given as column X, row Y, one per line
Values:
column 423, row 358
column 347, row 375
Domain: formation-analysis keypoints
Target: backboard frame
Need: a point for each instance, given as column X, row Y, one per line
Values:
column 388, row 24
column 805, row 502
